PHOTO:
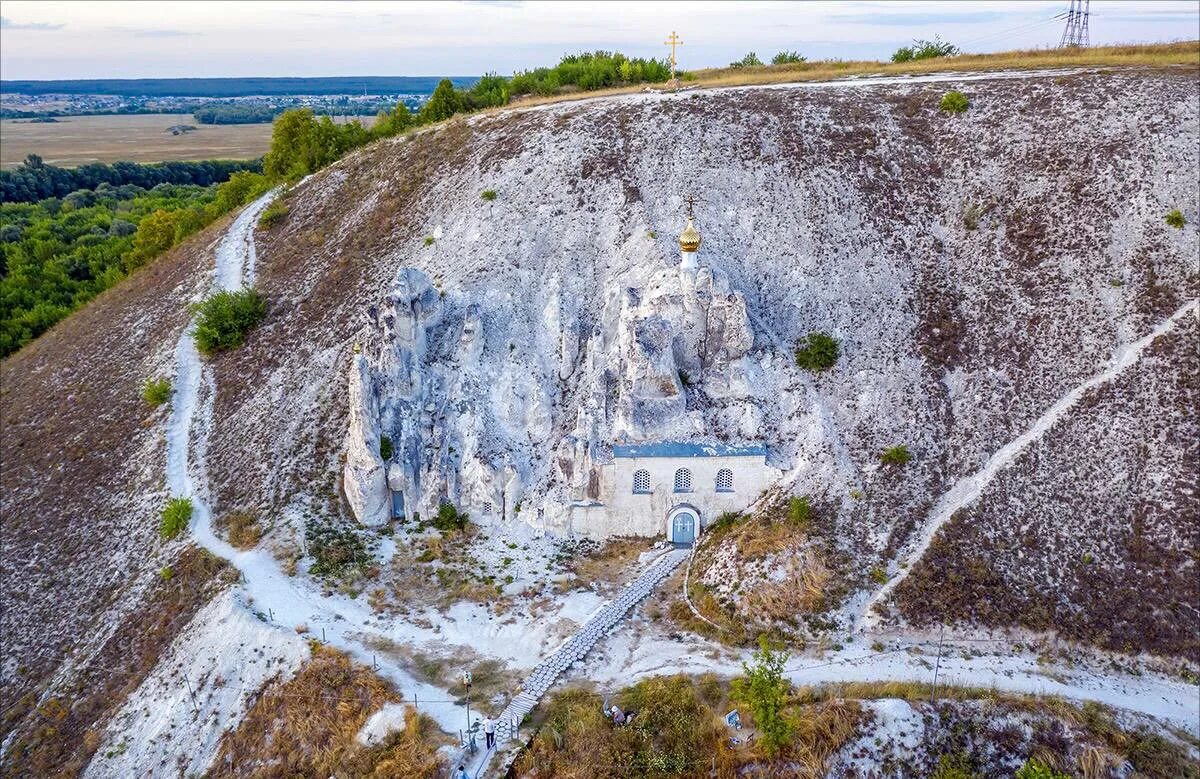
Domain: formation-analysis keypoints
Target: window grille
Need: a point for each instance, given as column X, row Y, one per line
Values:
column 683, row 480
column 641, row 482
column 487, row 507
column 724, row 480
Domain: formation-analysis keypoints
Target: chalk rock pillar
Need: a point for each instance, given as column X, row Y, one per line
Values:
column 364, row 477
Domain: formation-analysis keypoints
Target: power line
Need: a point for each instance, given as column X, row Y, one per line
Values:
column 1012, row 30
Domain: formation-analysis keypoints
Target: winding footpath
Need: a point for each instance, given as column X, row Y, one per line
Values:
column 966, row 490
column 344, row 622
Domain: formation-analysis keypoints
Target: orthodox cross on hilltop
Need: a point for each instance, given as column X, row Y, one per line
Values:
column 673, row 41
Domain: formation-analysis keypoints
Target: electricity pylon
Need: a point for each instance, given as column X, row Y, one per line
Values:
column 1076, row 32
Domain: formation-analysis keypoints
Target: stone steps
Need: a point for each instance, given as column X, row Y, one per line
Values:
column 577, row 647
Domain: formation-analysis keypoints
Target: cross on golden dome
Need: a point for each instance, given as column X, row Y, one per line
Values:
column 689, row 239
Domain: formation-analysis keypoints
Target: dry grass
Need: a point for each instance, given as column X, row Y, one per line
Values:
column 490, row 679
column 801, row 591
column 608, row 565
column 1185, row 53
column 307, row 727
column 241, row 528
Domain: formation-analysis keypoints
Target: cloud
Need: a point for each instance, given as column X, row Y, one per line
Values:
column 145, row 32
column 901, row 19
column 9, row 24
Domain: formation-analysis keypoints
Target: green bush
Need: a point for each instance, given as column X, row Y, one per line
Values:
column 1036, row 769
column 224, row 319
column 156, row 391
column 1175, row 219
column 799, row 510
column 956, row 765
column 878, row 575
column 787, row 58
column 765, row 692
column 386, row 449
column 429, row 240
column 175, row 517
column 166, row 573
column 273, row 214
column 751, row 60
column 896, row 455
column 818, row 352
column 954, row 102
column 971, row 215
column 923, row 50
column 488, row 194
column 450, row 519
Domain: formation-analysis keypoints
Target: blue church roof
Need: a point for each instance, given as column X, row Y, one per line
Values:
column 682, row 449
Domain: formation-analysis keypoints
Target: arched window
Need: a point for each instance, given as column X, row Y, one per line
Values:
column 724, row 480
column 641, row 482
column 683, row 480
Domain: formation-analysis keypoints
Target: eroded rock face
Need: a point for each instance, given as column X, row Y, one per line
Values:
column 473, row 420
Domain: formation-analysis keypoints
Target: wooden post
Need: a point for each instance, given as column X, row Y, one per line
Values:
column 195, row 708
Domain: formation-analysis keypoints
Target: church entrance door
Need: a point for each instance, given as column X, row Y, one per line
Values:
column 683, row 527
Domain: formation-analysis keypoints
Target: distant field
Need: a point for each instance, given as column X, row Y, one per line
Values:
column 77, row 140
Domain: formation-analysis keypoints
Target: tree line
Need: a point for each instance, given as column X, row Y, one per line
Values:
column 35, row 180
column 59, row 253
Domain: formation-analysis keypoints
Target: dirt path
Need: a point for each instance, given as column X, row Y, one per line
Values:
column 969, row 488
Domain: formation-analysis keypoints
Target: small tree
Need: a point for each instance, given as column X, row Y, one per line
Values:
column 156, row 392
column 443, row 103
column 818, row 352
column 799, row 510
column 764, row 691
column 175, row 517
column 896, row 455
column 386, row 448
column 923, row 50
column 1175, row 219
column 751, row 60
column 449, row 518
column 787, row 58
column 225, row 317
column 954, row 102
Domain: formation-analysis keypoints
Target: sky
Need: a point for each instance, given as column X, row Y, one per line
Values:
column 48, row 40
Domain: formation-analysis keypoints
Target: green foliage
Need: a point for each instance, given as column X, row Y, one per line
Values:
column 393, row 122
column 442, row 104
column 923, row 50
column 764, row 691
column 954, row 765
column 56, row 255
column 878, row 575
column 225, row 317
column 1175, row 219
column 156, row 391
column 450, row 519
column 175, row 517
column 799, row 510
column 488, row 194
column 386, row 448
column 751, row 60
column 273, row 214
column 818, row 352
column 896, row 455
column 954, row 102
column 338, row 552
column 302, row 143
column 787, row 58
column 429, row 240
column 971, row 215
column 35, row 181
column 588, row 71
column 166, row 573
column 1036, row 769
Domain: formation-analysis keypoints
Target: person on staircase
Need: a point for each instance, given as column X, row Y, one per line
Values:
column 489, row 732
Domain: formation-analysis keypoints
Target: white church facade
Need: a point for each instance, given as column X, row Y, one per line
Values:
column 672, row 489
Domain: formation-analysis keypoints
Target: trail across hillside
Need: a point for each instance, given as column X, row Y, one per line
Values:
column 967, row 489
column 285, row 601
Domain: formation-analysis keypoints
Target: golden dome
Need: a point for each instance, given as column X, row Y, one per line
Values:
column 689, row 239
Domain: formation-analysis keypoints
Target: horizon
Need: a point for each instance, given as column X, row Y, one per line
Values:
column 56, row 41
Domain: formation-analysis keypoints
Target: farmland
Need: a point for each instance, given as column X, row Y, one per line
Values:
column 76, row 140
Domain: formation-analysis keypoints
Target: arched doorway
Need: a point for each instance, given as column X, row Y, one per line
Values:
column 683, row 525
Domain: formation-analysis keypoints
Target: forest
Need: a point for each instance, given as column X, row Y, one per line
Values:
column 36, row 180
column 59, row 253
